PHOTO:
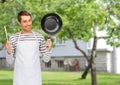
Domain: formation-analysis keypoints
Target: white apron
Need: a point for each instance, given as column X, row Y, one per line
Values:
column 27, row 70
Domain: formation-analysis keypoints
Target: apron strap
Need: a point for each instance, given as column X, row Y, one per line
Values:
column 18, row 38
column 35, row 36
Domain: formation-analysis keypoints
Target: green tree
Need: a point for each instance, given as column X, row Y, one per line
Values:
column 10, row 9
column 81, row 21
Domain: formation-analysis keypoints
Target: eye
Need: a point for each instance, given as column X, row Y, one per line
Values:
column 24, row 21
column 30, row 20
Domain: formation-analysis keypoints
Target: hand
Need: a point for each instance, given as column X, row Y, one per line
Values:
column 49, row 44
column 8, row 47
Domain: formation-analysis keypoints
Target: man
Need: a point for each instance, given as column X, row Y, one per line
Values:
column 26, row 46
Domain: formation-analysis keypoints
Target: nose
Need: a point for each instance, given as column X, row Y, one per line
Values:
column 29, row 23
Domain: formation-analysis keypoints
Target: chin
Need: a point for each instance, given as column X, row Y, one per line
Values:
column 28, row 29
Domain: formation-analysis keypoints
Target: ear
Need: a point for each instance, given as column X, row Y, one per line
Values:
column 19, row 23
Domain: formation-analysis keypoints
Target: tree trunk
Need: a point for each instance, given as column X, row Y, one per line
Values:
column 86, row 71
column 93, row 56
column 93, row 74
column 92, row 64
column 90, row 61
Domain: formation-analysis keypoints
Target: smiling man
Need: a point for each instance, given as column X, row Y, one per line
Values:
column 26, row 46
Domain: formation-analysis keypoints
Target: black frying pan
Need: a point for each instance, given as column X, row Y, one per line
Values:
column 51, row 23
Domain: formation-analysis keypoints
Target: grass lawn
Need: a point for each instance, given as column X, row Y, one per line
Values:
column 65, row 78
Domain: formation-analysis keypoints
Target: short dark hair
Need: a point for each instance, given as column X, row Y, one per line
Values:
column 23, row 13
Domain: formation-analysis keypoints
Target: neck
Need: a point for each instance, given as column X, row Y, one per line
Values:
column 25, row 32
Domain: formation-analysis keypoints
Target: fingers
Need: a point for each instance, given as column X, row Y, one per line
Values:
column 49, row 44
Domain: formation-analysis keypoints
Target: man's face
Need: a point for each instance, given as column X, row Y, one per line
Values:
column 26, row 23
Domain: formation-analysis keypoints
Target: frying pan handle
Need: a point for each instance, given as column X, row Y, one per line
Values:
column 49, row 37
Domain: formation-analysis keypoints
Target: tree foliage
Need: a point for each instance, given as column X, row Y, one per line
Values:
column 81, row 20
column 79, row 16
column 113, row 23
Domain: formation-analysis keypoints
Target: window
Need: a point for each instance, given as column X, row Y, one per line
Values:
column 59, row 41
column 60, row 63
column 48, row 64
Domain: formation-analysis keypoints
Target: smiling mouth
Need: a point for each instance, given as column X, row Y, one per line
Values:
column 28, row 26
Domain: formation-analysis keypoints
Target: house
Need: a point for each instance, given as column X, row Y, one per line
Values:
column 64, row 57
column 2, row 59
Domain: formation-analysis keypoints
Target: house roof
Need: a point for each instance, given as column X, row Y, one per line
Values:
column 68, row 49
